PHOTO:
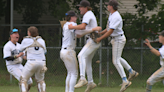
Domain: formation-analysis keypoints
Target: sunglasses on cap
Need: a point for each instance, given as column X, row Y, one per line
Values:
column 14, row 30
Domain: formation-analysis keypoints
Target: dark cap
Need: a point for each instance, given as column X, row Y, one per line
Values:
column 14, row 31
column 71, row 13
column 84, row 3
column 113, row 3
column 161, row 33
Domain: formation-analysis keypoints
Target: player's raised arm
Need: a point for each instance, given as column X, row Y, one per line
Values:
column 78, row 27
column 153, row 50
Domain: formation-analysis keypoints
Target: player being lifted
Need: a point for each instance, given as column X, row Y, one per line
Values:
column 67, row 53
column 114, row 29
column 36, row 61
column 159, row 74
column 86, row 54
column 14, row 57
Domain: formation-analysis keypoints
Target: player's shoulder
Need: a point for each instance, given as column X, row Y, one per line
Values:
column 88, row 14
column 8, row 44
column 66, row 24
column 73, row 23
column 162, row 48
column 117, row 14
column 40, row 38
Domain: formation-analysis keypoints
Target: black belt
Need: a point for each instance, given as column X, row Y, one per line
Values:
column 35, row 60
column 68, row 48
column 116, row 36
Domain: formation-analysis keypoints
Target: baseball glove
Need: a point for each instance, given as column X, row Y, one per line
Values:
column 94, row 36
column 18, row 60
column 62, row 23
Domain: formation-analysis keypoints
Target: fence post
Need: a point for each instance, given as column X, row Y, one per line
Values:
column 100, row 65
column 11, row 24
column 141, row 69
column 107, row 66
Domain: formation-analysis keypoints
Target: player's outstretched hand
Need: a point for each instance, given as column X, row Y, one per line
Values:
column 147, row 42
column 97, row 28
column 70, row 26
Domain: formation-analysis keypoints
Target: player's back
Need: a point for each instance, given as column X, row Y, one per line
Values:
column 34, row 52
column 69, row 39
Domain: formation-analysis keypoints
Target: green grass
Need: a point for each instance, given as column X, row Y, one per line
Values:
column 61, row 89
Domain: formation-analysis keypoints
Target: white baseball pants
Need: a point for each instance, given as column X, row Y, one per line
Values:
column 117, row 48
column 156, row 76
column 16, row 71
column 34, row 67
column 69, row 58
column 85, row 58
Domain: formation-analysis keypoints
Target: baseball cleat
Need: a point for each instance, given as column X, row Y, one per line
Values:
column 125, row 85
column 81, row 83
column 132, row 75
column 90, row 86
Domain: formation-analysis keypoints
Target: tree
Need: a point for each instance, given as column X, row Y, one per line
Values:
column 138, row 26
column 58, row 8
column 31, row 10
column 2, row 6
column 146, row 5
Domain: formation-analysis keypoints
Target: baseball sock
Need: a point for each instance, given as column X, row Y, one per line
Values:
column 130, row 70
column 82, row 77
column 148, row 88
column 124, row 79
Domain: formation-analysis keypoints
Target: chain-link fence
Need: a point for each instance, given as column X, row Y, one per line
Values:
column 104, row 73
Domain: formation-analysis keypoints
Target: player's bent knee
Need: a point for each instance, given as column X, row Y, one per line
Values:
column 149, row 82
column 115, row 63
column 41, row 86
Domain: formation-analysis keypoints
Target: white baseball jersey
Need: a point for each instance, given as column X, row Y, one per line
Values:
column 69, row 39
column 86, row 54
column 115, row 22
column 90, row 19
column 161, row 50
column 10, row 49
column 33, row 52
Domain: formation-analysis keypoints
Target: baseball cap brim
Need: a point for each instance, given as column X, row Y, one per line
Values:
column 14, row 31
column 78, row 5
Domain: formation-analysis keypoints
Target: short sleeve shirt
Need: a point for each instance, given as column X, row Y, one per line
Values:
column 69, row 39
column 115, row 22
column 10, row 49
column 90, row 19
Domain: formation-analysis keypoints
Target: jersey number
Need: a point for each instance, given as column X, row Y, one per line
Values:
column 36, row 48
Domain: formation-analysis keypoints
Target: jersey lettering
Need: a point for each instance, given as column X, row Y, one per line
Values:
column 36, row 48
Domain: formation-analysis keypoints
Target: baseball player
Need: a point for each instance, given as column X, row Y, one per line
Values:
column 13, row 56
column 35, row 47
column 114, row 29
column 86, row 54
column 159, row 74
column 67, row 53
